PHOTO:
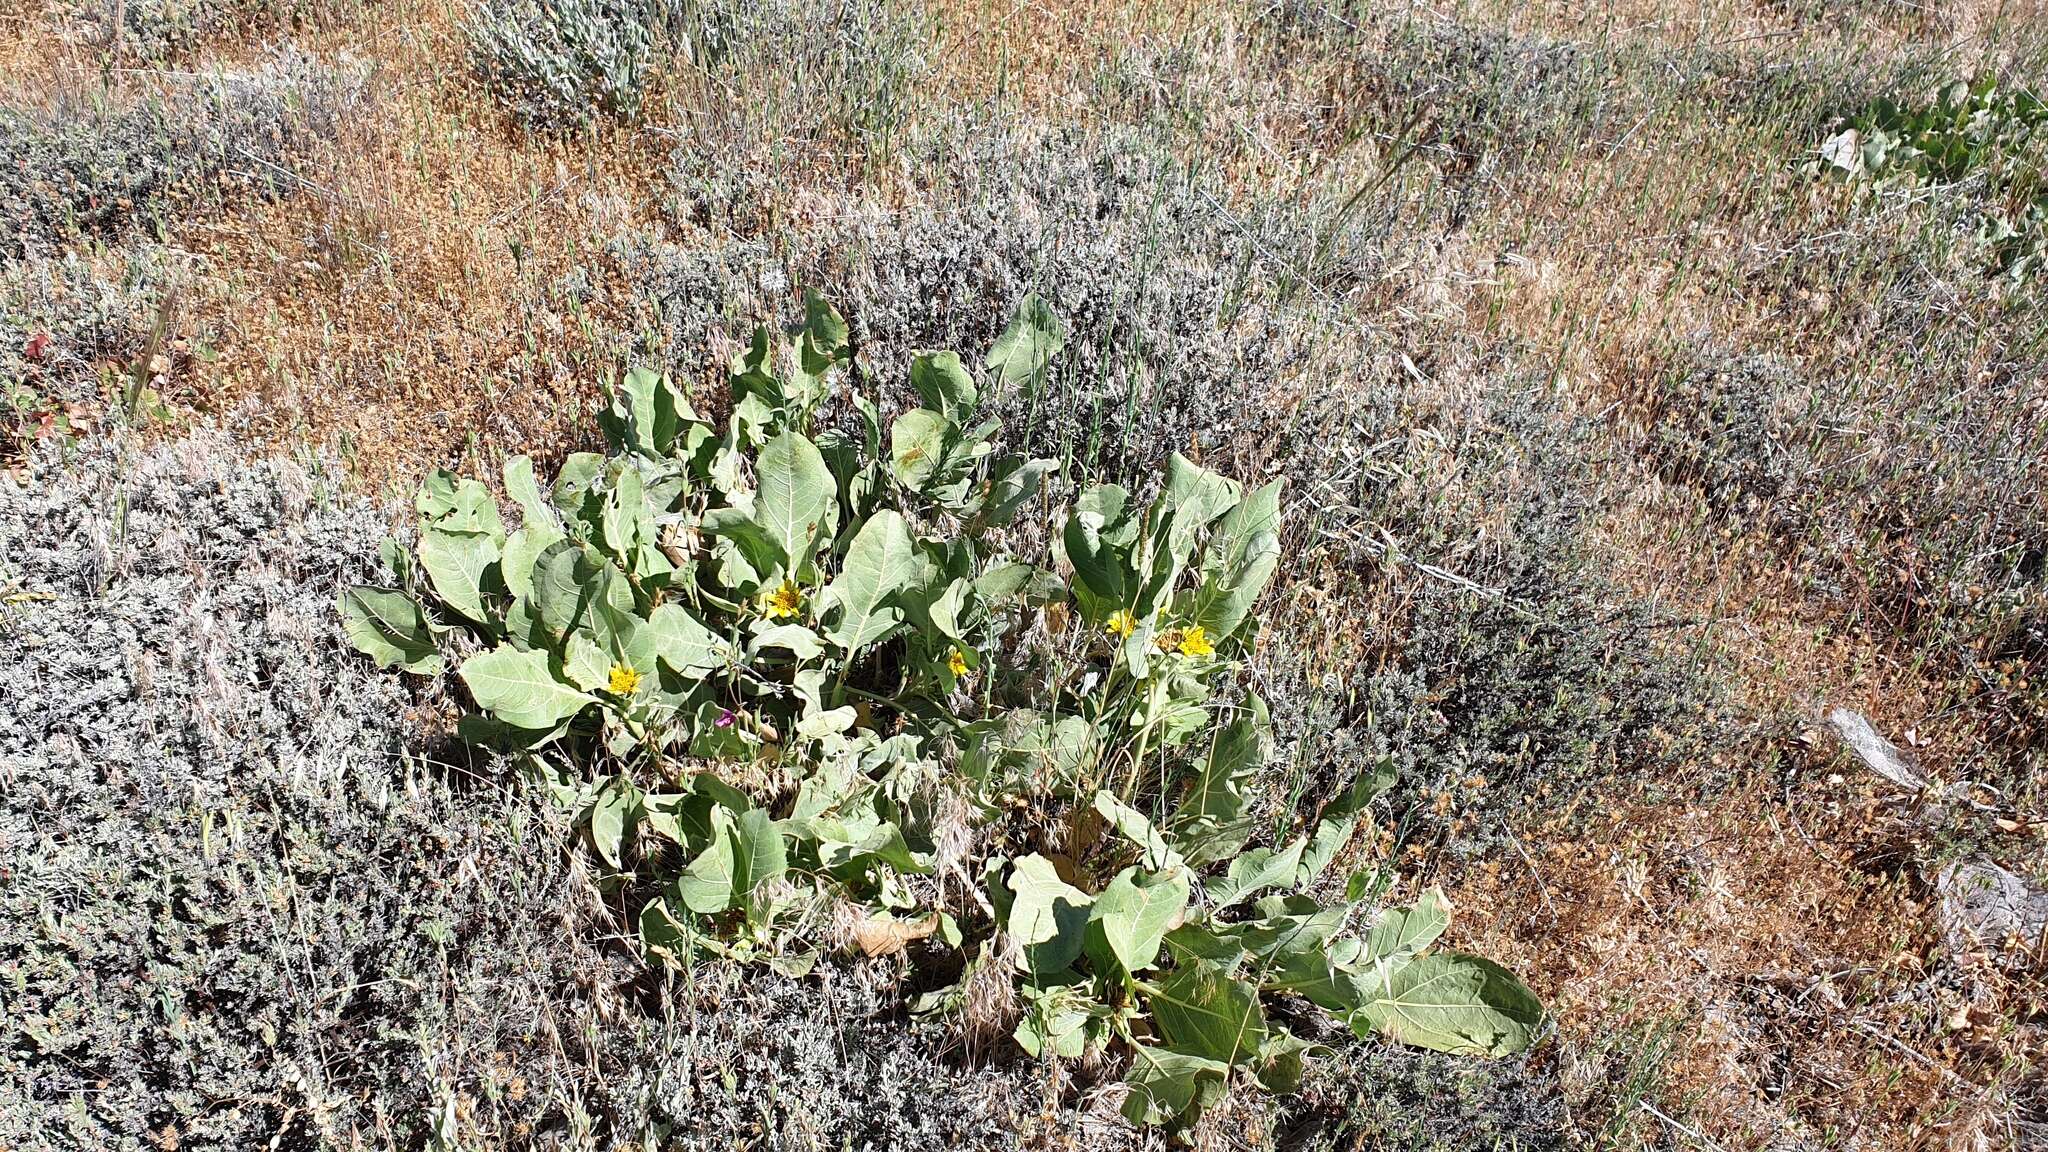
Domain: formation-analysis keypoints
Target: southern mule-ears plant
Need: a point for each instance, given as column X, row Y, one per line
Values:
column 809, row 669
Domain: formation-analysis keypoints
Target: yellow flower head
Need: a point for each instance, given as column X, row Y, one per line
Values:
column 1195, row 642
column 1120, row 624
column 784, row 602
column 956, row 662
column 624, row 680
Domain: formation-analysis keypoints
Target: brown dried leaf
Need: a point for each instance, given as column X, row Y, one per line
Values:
column 886, row 935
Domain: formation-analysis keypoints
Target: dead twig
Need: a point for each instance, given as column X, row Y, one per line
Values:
column 1685, row 1130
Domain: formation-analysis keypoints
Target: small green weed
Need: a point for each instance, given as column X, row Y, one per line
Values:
column 29, row 418
column 803, row 670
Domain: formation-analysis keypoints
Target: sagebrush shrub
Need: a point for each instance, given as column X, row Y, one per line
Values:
column 97, row 170
column 561, row 65
column 158, row 30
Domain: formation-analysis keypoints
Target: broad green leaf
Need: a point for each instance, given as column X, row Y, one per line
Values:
column 794, row 499
column 1204, row 1012
column 523, row 628
column 944, row 384
column 518, row 688
column 1012, row 484
column 683, row 818
column 1258, row 514
column 579, row 472
column 718, row 735
column 753, row 557
column 1002, row 581
column 706, row 887
column 1181, row 709
column 559, row 576
column 848, row 848
column 918, row 442
column 398, row 559
column 647, row 414
column 489, row 732
column 1133, row 825
column 1193, row 943
column 1099, row 563
column 1131, row 916
column 1029, row 344
column 724, row 795
column 763, row 860
column 1210, row 824
column 755, row 418
column 1340, row 818
column 459, row 564
column 793, row 638
column 745, row 856
column 941, row 614
column 878, row 563
column 665, row 938
column 853, row 470
column 1055, row 1022
column 824, row 337
column 389, row 627
column 1451, row 1002
column 587, row 666
column 1047, row 915
column 1401, row 934
column 683, row 644
column 1289, row 925
column 625, row 638
column 628, row 523
column 1193, row 496
column 1169, row 1087
column 809, row 685
column 612, row 816
column 1254, row 872
column 524, row 489
column 436, row 496
column 816, row 725
column 1312, row 975
column 458, row 506
column 1237, row 564
column 1281, row 1059
column 1111, row 506
column 1225, row 599
column 1369, row 785
column 756, row 393
column 523, row 550
column 824, row 790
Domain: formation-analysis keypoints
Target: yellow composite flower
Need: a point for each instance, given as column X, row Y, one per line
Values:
column 956, row 662
column 624, row 680
column 784, row 602
column 1120, row 624
column 1194, row 641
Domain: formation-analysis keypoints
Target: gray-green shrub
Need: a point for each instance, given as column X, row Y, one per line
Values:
column 82, row 168
column 562, row 65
